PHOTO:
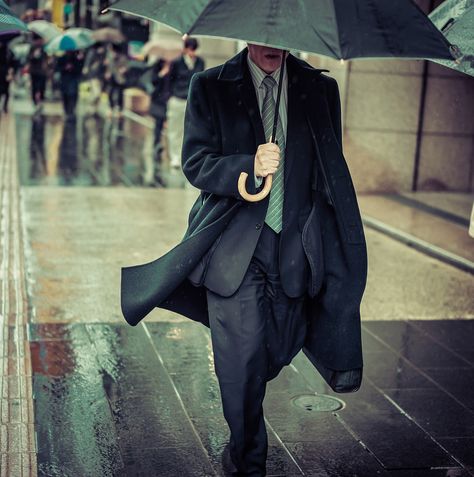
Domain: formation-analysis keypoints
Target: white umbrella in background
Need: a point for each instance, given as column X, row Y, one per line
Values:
column 167, row 49
column 71, row 40
column 109, row 35
column 46, row 30
column 455, row 18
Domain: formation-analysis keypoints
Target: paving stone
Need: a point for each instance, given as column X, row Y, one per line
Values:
column 455, row 334
column 436, row 412
column 449, row 472
column 365, row 401
column 388, row 370
column 17, row 438
column 58, row 331
column 17, row 464
column 167, row 461
column 456, row 381
column 462, row 448
column 414, row 345
column 383, row 433
column 334, row 455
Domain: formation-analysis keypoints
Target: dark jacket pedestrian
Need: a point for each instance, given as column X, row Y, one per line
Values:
column 268, row 277
column 116, row 76
column 38, row 68
column 6, row 74
column 70, row 69
column 181, row 71
column 158, row 101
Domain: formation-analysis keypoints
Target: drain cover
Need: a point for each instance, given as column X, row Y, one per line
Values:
column 318, row 402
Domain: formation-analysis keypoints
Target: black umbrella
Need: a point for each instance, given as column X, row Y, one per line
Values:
column 341, row 29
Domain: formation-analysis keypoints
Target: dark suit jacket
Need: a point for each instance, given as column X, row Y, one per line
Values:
column 180, row 76
column 217, row 148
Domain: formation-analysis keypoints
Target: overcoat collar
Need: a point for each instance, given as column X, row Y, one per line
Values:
column 235, row 68
column 302, row 79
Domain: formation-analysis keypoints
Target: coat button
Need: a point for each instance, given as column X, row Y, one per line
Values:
column 258, row 226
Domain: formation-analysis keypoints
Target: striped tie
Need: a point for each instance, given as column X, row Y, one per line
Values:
column 274, row 217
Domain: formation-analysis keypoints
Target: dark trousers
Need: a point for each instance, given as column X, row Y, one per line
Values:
column 69, row 103
column 116, row 96
column 38, row 87
column 255, row 332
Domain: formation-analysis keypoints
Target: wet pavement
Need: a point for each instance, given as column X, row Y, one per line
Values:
column 89, row 149
column 84, row 394
column 148, row 401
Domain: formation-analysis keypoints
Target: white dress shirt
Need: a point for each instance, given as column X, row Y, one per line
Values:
column 258, row 75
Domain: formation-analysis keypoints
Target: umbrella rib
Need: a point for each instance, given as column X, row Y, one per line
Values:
column 337, row 55
column 210, row 6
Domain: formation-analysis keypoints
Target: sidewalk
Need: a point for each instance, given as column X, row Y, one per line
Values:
column 435, row 223
column 112, row 400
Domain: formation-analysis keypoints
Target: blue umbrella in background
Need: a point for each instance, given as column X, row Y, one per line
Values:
column 455, row 19
column 9, row 22
column 71, row 40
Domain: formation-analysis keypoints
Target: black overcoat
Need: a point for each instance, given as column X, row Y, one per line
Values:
column 333, row 230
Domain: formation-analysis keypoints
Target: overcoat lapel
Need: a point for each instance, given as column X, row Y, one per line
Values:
column 295, row 120
column 249, row 99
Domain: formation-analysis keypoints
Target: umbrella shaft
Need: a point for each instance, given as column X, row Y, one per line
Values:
column 277, row 104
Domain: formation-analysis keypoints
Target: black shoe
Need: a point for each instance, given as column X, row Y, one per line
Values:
column 227, row 465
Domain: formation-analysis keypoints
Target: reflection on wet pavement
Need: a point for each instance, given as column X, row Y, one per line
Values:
column 115, row 400
column 89, row 150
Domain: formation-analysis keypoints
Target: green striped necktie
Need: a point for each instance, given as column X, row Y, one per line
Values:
column 274, row 217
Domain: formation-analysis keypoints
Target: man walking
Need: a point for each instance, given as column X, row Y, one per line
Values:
column 271, row 277
column 181, row 72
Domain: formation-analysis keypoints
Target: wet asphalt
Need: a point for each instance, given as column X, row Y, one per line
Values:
column 113, row 400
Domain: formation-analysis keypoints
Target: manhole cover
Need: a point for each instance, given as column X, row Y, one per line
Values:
column 318, row 402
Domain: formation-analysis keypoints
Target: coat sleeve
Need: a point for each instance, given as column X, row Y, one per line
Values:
column 204, row 164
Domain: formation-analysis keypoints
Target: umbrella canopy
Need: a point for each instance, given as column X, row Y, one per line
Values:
column 44, row 29
column 71, row 40
column 455, row 18
column 9, row 22
column 341, row 29
column 109, row 35
column 166, row 49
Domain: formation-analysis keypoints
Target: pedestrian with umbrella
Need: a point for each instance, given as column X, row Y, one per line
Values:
column 70, row 66
column 95, row 67
column 38, row 69
column 275, row 269
column 116, row 76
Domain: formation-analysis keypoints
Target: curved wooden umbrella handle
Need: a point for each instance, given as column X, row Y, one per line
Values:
column 267, row 187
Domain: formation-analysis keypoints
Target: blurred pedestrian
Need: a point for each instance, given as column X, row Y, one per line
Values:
column 94, row 70
column 158, row 105
column 116, row 75
column 6, row 75
column 70, row 69
column 181, row 71
column 37, row 66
